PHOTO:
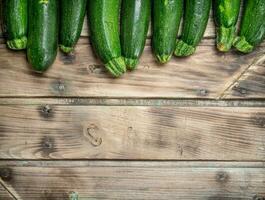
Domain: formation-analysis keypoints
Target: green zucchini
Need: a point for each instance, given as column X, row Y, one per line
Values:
column 43, row 33
column 226, row 14
column 72, row 14
column 166, row 20
column 252, row 30
column 135, row 19
column 15, row 20
column 195, row 21
column 103, row 18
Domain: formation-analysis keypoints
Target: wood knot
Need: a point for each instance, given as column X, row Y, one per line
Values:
column 46, row 111
column 47, row 143
column 47, row 146
column 91, row 132
column 222, row 177
column 203, row 92
column 6, row 174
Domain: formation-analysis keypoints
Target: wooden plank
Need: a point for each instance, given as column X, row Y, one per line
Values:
column 204, row 75
column 137, row 180
column 4, row 195
column 137, row 132
column 250, row 84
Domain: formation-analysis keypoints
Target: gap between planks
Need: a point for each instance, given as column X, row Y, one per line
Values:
column 83, row 101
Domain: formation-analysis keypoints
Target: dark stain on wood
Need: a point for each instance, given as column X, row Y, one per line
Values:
column 160, row 141
column 47, row 146
column 46, row 111
column 222, row 177
column 59, row 86
column 68, row 59
column 6, row 174
column 202, row 92
column 239, row 90
column 258, row 120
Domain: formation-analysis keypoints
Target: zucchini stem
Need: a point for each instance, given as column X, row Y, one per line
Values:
column 183, row 49
column 131, row 63
column 18, row 43
column 66, row 49
column 225, row 38
column 163, row 58
column 242, row 45
column 116, row 66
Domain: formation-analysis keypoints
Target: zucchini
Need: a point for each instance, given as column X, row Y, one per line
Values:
column 15, row 20
column 135, row 19
column 72, row 14
column 195, row 21
column 226, row 14
column 43, row 33
column 166, row 20
column 252, row 30
column 103, row 20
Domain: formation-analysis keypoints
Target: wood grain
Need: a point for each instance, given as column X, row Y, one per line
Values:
column 137, row 180
column 251, row 83
column 204, row 75
column 136, row 132
column 4, row 195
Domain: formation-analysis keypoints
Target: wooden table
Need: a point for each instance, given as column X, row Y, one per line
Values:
column 192, row 129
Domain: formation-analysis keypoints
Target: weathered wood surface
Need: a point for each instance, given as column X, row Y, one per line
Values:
column 4, row 195
column 132, row 132
column 207, row 74
column 137, row 180
column 251, row 83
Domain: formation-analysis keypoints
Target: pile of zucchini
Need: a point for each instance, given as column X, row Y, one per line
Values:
column 118, row 28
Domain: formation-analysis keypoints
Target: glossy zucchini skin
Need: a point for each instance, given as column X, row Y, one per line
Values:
column 196, row 17
column 15, row 23
column 135, row 19
column 72, row 14
column 252, row 29
column 103, row 20
column 166, row 20
column 226, row 14
column 43, row 33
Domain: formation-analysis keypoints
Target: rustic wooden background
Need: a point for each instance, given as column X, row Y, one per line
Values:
column 192, row 129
